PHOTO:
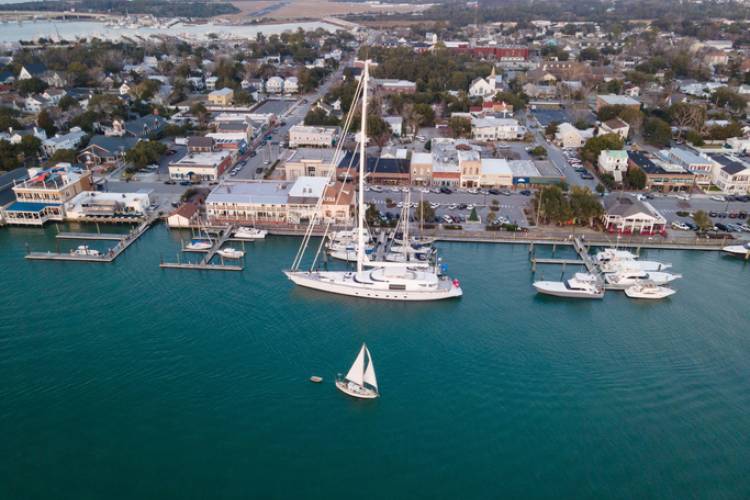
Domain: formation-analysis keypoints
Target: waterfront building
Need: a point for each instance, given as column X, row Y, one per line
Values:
column 201, row 166
column 310, row 162
column 279, row 202
column 43, row 195
column 732, row 175
column 186, row 215
column 625, row 214
column 304, row 135
column 613, row 162
column 97, row 206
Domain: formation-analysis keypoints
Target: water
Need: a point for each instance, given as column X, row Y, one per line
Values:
column 70, row 30
column 125, row 381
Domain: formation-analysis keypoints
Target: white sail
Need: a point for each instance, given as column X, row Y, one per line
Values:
column 370, row 372
column 358, row 368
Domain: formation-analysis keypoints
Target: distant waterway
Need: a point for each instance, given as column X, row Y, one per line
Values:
column 126, row 381
column 70, row 30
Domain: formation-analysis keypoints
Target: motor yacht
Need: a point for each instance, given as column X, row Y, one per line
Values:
column 230, row 253
column 85, row 250
column 738, row 250
column 250, row 233
column 580, row 286
column 648, row 290
column 624, row 279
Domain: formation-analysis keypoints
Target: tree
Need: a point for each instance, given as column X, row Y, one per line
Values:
column 686, row 116
column 8, row 119
column 589, row 54
column 67, row 102
column 551, row 129
column 722, row 133
column 657, row 132
column 425, row 212
column 45, row 121
column 199, row 111
column 726, row 97
column 585, row 205
column 600, row 188
column 702, row 220
column 372, row 215
column 608, row 112
column 30, row 86
column 551, row 205
column 694, row 138
column 595, row 145
column 318, row 116
column 539, row 152
column 473, row 217
column 63, row 155
column 460, row 126
column 635, row 178
column 144, row 153
column 425, row 115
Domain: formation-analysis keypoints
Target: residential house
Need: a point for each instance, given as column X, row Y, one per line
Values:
column 144, row 127
column 221, row 97
column 568, row 136
column 71, row 140
column 396, row 123
column 106, row 150
column 275, row 85
column 733, row 174
column 616, row 100
column 291, row 85
column 614, row 162
column 496, row 129
column 32, row 70
column 615, row 126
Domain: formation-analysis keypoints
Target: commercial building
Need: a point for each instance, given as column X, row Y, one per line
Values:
column 303, row 135
column 614, row 162
column 221, row 97
column 496, row 129
column 105, row 151
column 701, row 166
column 625, row 214
column 733, row 174
column 616, row 100
column 201, row 166
column 496, row 172
column 43, row 195
column 97, row 206
column 280, row 202
column 393, row 171
column 661, row 175
column 310, row 162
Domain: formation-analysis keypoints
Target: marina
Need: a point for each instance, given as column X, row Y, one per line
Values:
column 212, row 248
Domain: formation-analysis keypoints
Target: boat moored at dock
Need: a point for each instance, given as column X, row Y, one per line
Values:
column 738, row 250
column 624, row 279
column 580, row 286
column 648, row 290
column 250, row 233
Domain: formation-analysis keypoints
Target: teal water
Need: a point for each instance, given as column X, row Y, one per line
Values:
column 126, row 381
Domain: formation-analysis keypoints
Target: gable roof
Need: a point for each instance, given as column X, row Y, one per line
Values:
column 112, row 144
column 35, row 69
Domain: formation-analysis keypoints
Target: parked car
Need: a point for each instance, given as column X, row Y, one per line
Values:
column 526, row 192
column 586, row 175
column 170, row 181
column 494, row 191
column 680, row 225
column 446, row 190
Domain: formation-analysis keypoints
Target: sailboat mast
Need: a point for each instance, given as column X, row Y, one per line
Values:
column 362, row 159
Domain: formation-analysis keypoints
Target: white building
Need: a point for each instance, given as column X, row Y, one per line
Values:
column 615, row 126
column 626, row 214
column 201, row 166
column 275, row 85
column 697, row 164
column 732, row 175
column 396, row 123
column 485, row 87
column 568, row 136
column 613, row 162
column 291, row 85
column 496, row 129
column 320, row 137
column 97, row 205
column 71, row 140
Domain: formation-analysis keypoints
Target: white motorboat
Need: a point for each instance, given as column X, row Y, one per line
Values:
column 250, row 233
column 85, row 250
column 648, row 290
column 347, row 253
column 230, row 253
column 580, row 286
column 199, row 245
column 373, row 280
column 360, row 381
column 614, row 266
column 625, row 279
column 738, row 250
column 614, row 254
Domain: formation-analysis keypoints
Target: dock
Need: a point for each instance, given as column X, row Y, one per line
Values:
column 584, row 259
column 124, row 240
column 224, row 235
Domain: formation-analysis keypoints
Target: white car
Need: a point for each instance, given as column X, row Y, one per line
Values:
column 434, row 205
column 718, row 198
column 680, row 225
column 376, row 189
column 395, row 189
column 469, row 207
column 452, row 206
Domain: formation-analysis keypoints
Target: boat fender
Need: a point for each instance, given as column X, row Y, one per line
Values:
column 456, row 283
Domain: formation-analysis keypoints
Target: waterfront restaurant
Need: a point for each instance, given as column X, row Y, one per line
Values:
column 41, row 198
column 277, row 203
column 625, row 214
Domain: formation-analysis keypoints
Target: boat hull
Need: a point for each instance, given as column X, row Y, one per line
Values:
column 566, row 293
column 737, row 251
column 311, row 280
column 360, row 393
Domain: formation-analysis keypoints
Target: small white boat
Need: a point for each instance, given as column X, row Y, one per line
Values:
column 85, row 250
column 250, row 233
column 580, row 286
column 231, row 253
column 648, row 290
column 360, row 381
column 615, row 266
column 625, row 279
column 199, row 245
column 738, row 250
column 614, row 254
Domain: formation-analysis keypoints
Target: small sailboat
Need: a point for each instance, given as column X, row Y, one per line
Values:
column 360, row 381
column 199, row 245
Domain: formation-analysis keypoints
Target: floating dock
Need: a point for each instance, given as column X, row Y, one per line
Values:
column 205, row 263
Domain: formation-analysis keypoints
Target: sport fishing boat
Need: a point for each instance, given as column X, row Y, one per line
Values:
column 648, row 290
column 618, row 265
column 199, row 245
column 250, row 233
column 360, row 381
column 580, row 286
column 738, row 250
column 373, row 280
column 85, row 250
column 614, row 254
column 231, row 253
column 624, row 279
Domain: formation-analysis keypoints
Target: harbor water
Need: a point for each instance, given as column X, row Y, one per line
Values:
column 127, row 381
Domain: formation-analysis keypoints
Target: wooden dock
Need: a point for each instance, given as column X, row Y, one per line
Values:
column 585, row 259
column 124, row 240
column 224, row 235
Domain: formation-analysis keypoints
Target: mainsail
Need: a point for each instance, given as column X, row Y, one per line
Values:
column 357, row 370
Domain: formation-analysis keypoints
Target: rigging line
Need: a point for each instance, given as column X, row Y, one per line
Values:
column 347, row 125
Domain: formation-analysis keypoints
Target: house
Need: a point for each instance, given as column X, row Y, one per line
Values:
column 615, row 126
column 221, row 97
column 106, row 150
column 7, row 77
column 614, row 162
column 616, row 100
column 291, row 85
column 124, row 89
column 210, row 82
column 55, row 79
column 200, row 144
column 568, row 136
column 35, row 103
column 396, row 123
column 303, row 135
column 485, row 87
column 71, row 140
column 496, row 129
column 625, row 214
column 53, row 95
column 275, row 85
column 733, row 174
column 144, row 127
column 186, row 215
column 201, row 166
column 661, row 175
column 32, row 70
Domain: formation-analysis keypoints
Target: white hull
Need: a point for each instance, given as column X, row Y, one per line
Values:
column 356, row 391
column 337, row 282
column 558, row 289
column 231, row 254
column 616, row 283
column 244, row 233
column 654, row 293
column 737, row 250
column 633, row 265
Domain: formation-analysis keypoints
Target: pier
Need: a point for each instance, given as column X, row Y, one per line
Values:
column 581, row 249
column 124, row 240
column 224, row 235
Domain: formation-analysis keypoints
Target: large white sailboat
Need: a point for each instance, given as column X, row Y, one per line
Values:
column 360, row 381
column 375, row 279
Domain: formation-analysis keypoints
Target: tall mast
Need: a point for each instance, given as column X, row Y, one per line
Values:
column 362, row 159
